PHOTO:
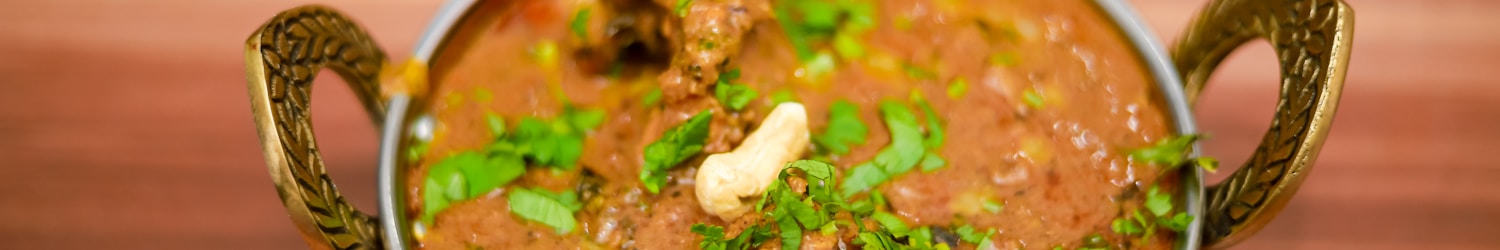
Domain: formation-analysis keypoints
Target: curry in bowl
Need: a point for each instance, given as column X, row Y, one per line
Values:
column 807, row 124
column 815, row 124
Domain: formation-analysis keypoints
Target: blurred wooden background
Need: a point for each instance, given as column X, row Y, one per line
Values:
column 126, row 124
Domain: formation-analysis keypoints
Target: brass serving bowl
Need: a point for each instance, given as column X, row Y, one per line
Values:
column 1311, row 37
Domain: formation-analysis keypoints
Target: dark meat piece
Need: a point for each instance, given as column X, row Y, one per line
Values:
column 711, row 35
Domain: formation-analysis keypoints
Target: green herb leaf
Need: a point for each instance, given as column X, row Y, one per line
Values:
column 443, row 185
column 877, row 240
column 651, row 98
column 906, row 149
column 783, row 96
column 542, row 208
column 1157, row 202
column 496, row 124
column 789, row 204
column 992, row 206
column 848, row 46
column 584, row 119
column 862, row 178
column 580, row 23
column 677, row 145
column 958, row 88
column 935, row 135
column 892, row 224
column 729, row 76
column 1169, row 152
column 1148, row 227
column 498, row 170
column 821, row 64
column 815, row 169
column 969, row 234
column 844, row 128
column 734, row 96
column 682, row 7
column 1177, row 222
column 1125, row 226
column 917, row 72
column 932, row 162
column 791, row 234
column 713, row 236
column 920, row 237
column 794, row 31
column 1208, row 164
column 819, row 15
column 1032, row 99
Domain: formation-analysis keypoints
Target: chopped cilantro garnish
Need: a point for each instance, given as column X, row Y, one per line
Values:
column 917, row 72
column 935, row 134
column 713, row 237
column 809, row 21
column 682, row 7
column 1177, row 222
column 1125, row 226
column 1157, row 202
column 906, row 148
column 891, row 223
column 783, row 96
column 920, row 238
column 992, row 206
column 818, row 15
column 1032, row 99
column 791, row 234
column 580, row 23
column 729, row 76
column 1159, row 206
column 557, row 143
column 1169, row 152
column 957, row 88
column 877, row 240
column 844, row 128
column 677, row 145
column 904, row 153
column 734, row 96
column 444, row 184
column 848, row 46
column 651, row 98
column 969, row 234
column 932, row 162
column 822, row 63
column 496, row 124
column 584, row 119
column 538, row 206
column 1208, row 163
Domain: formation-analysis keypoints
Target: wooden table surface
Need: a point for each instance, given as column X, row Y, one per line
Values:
column 126, row 124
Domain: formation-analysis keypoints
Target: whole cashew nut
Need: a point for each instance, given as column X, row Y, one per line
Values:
column 727, row 183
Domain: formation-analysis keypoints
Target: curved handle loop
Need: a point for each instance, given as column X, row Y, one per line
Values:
column 1312, row 41
column 281, row 59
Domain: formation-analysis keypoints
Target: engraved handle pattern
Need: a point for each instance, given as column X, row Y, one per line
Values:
column 281, row 59
column 1312, row 41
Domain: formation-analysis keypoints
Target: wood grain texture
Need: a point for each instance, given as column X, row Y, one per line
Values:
column 126, row 125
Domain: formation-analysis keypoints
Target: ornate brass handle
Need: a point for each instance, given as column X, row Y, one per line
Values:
column 1312, row 40
column 281, row 59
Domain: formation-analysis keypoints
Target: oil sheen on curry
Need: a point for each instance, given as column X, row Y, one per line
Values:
column 794, row 124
